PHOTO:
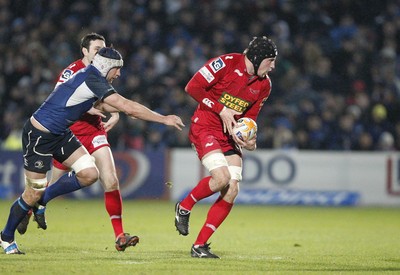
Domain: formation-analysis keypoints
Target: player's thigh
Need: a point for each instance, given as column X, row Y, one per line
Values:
column 105, row 163
column 234, row 160
column 78, row 153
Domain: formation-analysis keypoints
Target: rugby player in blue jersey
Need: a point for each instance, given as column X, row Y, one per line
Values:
column 46, row 135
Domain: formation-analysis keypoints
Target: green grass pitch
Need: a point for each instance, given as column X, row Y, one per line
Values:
column 253, row 240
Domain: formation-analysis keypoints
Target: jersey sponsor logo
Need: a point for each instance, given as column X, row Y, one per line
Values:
column 207, row 74
column 99, row 140
column 66, row 74
column 208, row 102
column 208, row 144
column 217, row 65
column 234, row 103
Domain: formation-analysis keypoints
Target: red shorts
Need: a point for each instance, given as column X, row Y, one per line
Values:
column 91, row 142
column 205, row 140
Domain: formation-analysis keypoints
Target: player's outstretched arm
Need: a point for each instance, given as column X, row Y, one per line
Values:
column 137, row 110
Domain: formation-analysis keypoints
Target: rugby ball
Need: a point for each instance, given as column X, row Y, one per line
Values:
column 246, row 128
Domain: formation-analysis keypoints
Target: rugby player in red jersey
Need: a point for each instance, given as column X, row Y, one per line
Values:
column 227, row 88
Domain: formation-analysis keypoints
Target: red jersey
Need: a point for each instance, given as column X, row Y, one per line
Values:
column 88, row 124
column 223, row 82
column 227, row 84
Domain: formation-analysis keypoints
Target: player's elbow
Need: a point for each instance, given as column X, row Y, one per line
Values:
column 192, row 86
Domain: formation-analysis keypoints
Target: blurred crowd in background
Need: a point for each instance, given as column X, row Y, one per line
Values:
column 336, row 85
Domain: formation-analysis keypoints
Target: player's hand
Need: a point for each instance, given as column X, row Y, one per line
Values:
column 96, row 112
column 249, row 145
column 228, row 119
column 173, row 120
column 111, row 122
column 238, row 141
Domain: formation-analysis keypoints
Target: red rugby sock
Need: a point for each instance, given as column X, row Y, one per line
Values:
column 216, row 215
column 113, row 204
column 201, row 191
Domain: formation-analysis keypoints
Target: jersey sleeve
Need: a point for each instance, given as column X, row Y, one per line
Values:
column 203, row 80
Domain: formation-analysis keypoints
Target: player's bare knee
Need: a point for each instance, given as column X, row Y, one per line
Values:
column 33, row 190
column 86, row 170
column 221, row 179
column 88, row 176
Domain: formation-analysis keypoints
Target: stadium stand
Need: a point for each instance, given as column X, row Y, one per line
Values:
column 336, row 85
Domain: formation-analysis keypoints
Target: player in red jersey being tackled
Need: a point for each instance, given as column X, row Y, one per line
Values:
column 227, row 88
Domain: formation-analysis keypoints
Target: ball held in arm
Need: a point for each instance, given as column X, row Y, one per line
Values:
column 246, row 128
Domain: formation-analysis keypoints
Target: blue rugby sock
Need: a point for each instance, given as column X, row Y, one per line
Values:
column 66, row 184
column 18, row 211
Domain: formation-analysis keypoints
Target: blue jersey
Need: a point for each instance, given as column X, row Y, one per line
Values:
column 70, row 100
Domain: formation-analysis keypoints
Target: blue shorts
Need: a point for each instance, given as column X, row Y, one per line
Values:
column 40, row 147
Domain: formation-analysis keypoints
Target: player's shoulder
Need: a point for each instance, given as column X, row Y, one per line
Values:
column 229, row 58
column 76, row 65
column 70, row 70
column 225, row 61
column 93, row 72
column 232, row 57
